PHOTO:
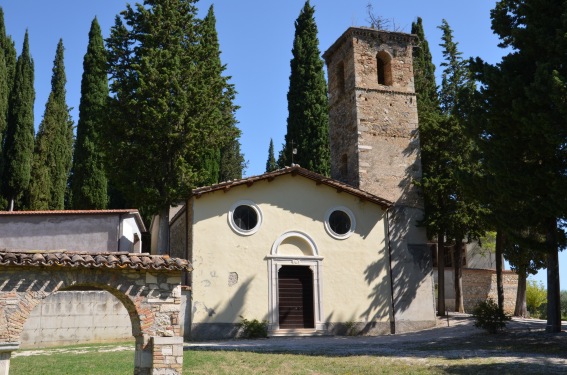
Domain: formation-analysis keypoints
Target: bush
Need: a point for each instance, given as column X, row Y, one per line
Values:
column 536, row 295
column 564, row 304
column 488, row 316
column 254, row 329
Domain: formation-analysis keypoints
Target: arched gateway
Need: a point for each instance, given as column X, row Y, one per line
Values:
column 147, row 285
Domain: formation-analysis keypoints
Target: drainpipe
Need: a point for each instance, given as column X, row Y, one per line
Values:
column 393, row 321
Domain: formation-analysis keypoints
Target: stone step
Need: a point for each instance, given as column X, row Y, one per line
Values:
column 298, row 332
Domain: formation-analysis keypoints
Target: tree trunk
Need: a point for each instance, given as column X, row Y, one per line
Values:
column 553, row 290
column 11, row 204
column 163, row 232
column 500, row 242
column 521, row 307
column 458, row 274
column 441, row 274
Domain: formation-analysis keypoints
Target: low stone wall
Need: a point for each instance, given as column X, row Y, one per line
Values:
column 77, row 317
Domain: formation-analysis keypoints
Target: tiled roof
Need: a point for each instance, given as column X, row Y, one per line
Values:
column 295, row 170
column 118, row 260
column 132, row 211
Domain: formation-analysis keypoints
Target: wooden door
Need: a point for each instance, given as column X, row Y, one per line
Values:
column 295, row 297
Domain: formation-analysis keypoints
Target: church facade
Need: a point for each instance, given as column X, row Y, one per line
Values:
column 311, row 254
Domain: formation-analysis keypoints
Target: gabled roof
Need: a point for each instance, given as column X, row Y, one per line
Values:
column 295, row 170
column 131, row 211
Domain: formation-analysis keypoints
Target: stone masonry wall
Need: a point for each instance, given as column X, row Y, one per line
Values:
column 480, row 285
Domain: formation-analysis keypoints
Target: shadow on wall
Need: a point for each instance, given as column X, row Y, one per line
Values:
column 381, row 302
column 411, row 263
column 220, row 323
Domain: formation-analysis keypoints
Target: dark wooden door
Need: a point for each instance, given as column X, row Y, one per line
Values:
column 295, row 297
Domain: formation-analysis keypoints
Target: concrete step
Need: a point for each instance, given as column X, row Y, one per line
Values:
column 298, row 332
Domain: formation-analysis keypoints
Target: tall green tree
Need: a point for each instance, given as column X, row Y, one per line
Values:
column 525, row 133
column 7, row 70
column 307, row 103
column 18, row 145
column 165, row 107
column 232, row 162
column 271, row 164
column 89, row 184
column 432, row 138
column 220, row 88
column 54, row 145
column 446, row 150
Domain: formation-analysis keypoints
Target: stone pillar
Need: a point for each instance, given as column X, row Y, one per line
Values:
column 6, row 350
column 167, row 355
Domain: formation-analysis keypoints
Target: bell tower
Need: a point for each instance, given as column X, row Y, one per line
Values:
column 373, row 128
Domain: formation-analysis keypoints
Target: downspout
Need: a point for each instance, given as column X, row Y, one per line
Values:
column 119, row 230
column 393, row 320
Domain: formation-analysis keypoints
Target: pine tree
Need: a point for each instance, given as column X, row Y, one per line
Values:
column 271, row 164
column 89, row 184
column 54, row 145
column 308, row 117
column 168, row 108
column 524, row 137
column 18, row 146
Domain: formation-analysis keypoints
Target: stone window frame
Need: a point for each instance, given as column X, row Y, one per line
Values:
column 384, row 68
column 235, row 227
column 351, row 216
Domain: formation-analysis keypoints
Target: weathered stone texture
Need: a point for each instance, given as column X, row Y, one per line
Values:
column 153, row 308
column 375, row 147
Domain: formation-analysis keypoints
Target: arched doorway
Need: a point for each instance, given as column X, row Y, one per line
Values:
column 294, row 274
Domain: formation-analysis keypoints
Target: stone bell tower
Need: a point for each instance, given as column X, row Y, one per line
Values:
column 375, row 147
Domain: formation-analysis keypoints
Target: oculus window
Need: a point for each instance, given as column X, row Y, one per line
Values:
column 245, row 217
column 340, row 222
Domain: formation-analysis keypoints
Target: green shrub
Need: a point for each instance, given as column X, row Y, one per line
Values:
column 254, row 329
column 564, row 304
column 488, row 316
column 536, row 295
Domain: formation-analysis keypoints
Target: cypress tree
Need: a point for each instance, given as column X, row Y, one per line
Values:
column 232, row 161
column 432, row 138
column 271, row 164
column 54, row 145
column 89, row 184
column 18, row 145
column 308, row 115
column 224, row 93
column 166, row 107
column 7, row 70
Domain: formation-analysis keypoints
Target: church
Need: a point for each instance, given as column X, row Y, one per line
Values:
column 316, row 255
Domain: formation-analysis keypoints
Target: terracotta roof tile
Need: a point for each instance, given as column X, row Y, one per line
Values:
column 295, row 170
column 65, row 258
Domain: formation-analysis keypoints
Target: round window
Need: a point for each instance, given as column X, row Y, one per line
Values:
column 245, row 217
column 339, row 222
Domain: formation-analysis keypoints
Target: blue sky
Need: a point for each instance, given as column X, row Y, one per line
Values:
column 256, row 38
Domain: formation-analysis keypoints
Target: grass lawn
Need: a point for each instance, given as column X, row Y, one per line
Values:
column 101, row 359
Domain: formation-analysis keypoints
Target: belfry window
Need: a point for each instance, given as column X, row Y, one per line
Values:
column 384, row 68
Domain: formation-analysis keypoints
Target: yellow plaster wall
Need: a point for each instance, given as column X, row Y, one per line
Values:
column 355, row 279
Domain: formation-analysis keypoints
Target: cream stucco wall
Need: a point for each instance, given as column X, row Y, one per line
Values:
column 354, row 278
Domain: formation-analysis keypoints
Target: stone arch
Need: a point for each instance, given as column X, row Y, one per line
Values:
column 148, row 287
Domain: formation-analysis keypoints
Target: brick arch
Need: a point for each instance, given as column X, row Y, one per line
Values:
column 148, row 287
